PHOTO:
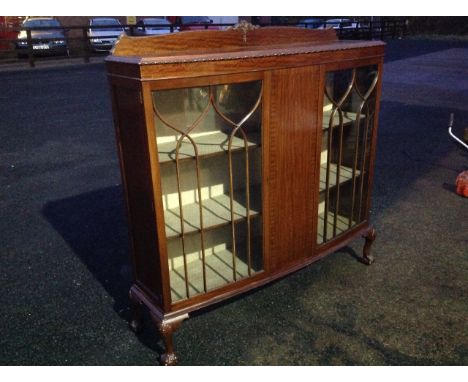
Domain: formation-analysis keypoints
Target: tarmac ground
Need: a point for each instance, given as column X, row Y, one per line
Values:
column 64, row 269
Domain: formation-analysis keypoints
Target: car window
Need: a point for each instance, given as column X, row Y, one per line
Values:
column 41, row 23
column 106, row 23
column 156, row 22
column 195, row 19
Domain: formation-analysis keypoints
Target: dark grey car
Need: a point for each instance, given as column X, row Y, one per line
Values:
column 152, row 26
column 44, row 41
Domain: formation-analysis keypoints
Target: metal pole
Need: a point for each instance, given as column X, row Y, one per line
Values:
column 85, row 44
column 30, row 48
column 453, row 135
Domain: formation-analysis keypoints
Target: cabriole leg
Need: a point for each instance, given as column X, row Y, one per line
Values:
column 166, row 329
column 370, row 236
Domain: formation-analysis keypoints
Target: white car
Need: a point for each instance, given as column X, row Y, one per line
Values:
column 103, row 33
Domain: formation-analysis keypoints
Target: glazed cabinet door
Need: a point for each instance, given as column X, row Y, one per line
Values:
column 347, row 143
column 209, row 144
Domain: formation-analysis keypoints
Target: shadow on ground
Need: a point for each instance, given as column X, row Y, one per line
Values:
column 94, row 226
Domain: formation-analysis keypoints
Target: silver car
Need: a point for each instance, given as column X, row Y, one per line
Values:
column 103, row 33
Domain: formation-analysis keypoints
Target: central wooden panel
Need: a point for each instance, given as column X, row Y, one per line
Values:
column 291, row 170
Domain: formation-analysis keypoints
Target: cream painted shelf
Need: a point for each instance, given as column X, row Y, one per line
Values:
column 342, row 224
column 208, row 143
column 346, row 173
column 348, row 118
column 216, row 212
column 219, row 272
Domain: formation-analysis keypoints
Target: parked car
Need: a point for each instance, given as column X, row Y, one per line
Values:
column 190, row 23
column 312, row 23
column 44, row 41
column 152, row 26
column 103, row 33
column 341, row 24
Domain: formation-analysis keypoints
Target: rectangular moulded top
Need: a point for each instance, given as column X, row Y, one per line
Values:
column 269, row 47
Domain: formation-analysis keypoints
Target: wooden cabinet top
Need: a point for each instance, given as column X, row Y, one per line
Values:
column 259, row 49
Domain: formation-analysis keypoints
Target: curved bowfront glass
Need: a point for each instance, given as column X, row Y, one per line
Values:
column 209, row 142
column 348, row 122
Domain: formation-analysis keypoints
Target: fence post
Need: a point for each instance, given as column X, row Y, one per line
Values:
column 371, row 29
column 30, row 48
column 85, row 44
column 382, row 29
column 404, row 30
column 394, row 30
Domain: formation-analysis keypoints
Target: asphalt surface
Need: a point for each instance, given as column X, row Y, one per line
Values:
column 64, row 272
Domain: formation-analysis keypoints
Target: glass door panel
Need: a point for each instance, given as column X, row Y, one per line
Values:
column 209, row 147
column 348, row 116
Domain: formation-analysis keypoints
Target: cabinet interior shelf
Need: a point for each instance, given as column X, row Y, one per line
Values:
column 216, row 213
column 209, row 143
column 342, row 225
column 346, row 174
column 219, row 271
column 348, row 119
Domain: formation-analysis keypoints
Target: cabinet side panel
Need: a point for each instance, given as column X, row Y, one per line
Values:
column 136, row 175
column 374, row 139
column 291, row 170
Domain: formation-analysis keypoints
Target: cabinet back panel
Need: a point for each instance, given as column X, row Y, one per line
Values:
column 291, row 170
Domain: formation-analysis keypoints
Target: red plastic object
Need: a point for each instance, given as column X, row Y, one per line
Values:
column 461, row 184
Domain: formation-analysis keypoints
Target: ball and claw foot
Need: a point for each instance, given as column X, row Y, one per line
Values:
column 168, row 359
column 166, row 330
column 370, row 236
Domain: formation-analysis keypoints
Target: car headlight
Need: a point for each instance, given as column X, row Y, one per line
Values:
column 22, row 43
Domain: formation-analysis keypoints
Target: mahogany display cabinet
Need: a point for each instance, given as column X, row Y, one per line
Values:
column 246, row 154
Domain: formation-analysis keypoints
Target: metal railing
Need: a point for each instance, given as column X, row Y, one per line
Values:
column 79, row 43
column 367, row 30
